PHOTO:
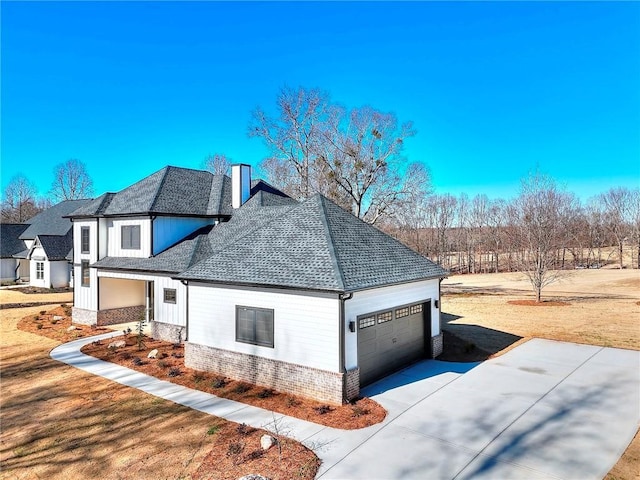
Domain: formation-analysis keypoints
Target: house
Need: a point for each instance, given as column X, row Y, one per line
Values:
column 11, row 244
column 45, row 262
column 302, row 297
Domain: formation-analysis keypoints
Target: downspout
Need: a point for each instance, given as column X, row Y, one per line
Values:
column 152, row 218
column 343, row 297
column 186, row 311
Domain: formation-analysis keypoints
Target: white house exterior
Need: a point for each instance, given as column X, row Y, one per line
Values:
column 300, row 297
column 10, row 245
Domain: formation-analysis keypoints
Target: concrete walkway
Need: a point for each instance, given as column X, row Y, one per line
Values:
column 543, row 410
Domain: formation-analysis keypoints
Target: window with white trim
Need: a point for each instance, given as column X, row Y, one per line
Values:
column 254, row 326
column 84, row 273
column 40, row 270
column 84, row 239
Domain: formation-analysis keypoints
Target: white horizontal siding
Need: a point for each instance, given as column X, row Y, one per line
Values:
column 168, row 230
column 305, row 326
column 378, row 299
column 114, row 228
column 57, row 273
column 8, row 269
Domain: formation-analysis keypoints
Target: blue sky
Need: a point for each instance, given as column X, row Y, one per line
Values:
column 494, row 89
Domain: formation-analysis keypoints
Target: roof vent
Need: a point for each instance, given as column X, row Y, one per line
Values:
column 240, row 184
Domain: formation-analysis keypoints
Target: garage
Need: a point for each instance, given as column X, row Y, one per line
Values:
column 390, row 339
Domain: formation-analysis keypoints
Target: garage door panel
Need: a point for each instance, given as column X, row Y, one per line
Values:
column 395, row 339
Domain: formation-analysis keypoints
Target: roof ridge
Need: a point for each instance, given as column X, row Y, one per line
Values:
column 329, row 237
column 159, row 189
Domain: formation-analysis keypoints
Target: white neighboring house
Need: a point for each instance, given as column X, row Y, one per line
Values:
column 11, row 244
column 45, row 262
column 300, row 297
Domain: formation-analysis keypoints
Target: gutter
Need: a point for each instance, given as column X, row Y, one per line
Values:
column 343, row 297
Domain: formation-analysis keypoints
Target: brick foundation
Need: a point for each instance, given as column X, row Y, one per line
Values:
column 285, row 377
column 437, row 345
column 352, row 380
column 120, row 315
column 84, row 317
column 167, row 332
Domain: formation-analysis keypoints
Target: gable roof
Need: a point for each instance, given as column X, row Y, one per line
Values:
column 53, row 221
column 315, row 245
column 10, row 242
column 56, row 247
column 169, row 191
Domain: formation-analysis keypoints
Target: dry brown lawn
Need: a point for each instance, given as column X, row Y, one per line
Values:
column 492, row 313
column 59, row 422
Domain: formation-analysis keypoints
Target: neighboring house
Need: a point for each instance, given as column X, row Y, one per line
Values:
column 300, row 297
column 48, row 241
column 11, row 244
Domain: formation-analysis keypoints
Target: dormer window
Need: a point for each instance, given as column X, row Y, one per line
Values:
column 130, row 237
column 84, row 240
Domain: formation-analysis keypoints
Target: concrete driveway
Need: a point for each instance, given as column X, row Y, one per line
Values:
column 545, row 409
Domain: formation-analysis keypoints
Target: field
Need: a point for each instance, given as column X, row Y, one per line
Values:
column 490, row 313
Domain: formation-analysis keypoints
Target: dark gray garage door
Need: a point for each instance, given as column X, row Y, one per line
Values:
column 391, row 339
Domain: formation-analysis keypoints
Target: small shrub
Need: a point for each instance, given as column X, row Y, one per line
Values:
column 163, row 364
column 137, row 361
column 125, row 355
column 39, row 326
column 219, row 382
column 96, row 342
column 323, row 409
column 213, row 430
column 235, row 448
column 42, row 312
column 266, row 393
column 256, row 454
column 359, row 411
column 198, row 377
column 242, row 388
column 292, row 402
column 163, row 355
column 177, row 355
column 174, row 372
column 244, row 429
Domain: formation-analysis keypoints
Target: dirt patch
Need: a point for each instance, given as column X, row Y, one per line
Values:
column 11, row 296
column 56, row 325
column 59, row 422
column 543, row 303
column 169, row 365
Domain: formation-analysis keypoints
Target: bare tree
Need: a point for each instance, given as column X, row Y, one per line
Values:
column 617, row 206
column 540, row 214
column 218, row 164
column 19, row 202
column 71, row 181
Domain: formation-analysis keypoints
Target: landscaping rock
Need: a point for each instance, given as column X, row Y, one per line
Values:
column 117, row 344
column 253, row 476
column 58, row 317
column 71, row 328
column 153, row 353
column 267, row 441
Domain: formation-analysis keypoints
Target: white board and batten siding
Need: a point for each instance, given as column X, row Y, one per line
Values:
column 305, row 325
column 8, row 267
column 85, row 297
column 114, row 229
column 169, row 230
column 378, row 299
column 174, row 313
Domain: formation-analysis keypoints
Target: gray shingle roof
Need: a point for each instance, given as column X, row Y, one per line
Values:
column 315, row 245
column 52, row 221
column 56, row 247
column 10, row 242
column 170, row 191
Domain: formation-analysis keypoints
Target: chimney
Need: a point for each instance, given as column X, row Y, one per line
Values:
column 240, row 184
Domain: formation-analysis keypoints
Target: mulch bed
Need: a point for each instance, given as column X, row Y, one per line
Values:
column 47, row 325
column 169, row 365
column 37, row 290
column 24, row 305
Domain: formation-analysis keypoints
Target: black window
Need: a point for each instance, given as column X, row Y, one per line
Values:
column 130, row 237
column 169, row 295
column 84, row 239
column 84, row 273
column 254, row 325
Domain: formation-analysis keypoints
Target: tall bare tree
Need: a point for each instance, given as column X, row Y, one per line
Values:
column 71, row 181
column 218, row 164
column 540, row 214
column 617, row 207
column 19, row 200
